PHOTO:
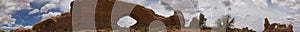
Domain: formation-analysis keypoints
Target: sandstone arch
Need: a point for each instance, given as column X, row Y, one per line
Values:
column 144, row 16
column 119, row 10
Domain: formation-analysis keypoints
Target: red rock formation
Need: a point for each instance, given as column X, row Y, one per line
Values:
column 277, row 27
column 63, row 23
column 2, row 31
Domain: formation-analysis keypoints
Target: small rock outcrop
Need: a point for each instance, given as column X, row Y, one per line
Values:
column 239, row 30
column 277, row 27
column 22, row 30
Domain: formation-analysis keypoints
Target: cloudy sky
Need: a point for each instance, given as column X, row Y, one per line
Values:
column 25, row 13
column 248, row 13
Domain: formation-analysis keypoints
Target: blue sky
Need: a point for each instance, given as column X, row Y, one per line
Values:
column 27, row 20
column 23, row 17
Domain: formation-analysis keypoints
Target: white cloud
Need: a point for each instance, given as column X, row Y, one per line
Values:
column 33, row 11
column 6, row 19
column 189, row 8
column 28, row 27
column 48, row 7
column 157, row 8
column 133, row 1
column 283, row 2
column 292, row 4
column 65, row 5
column 165, row 8
column 7, row 7
column 49, row 15
column 296, row 7
column 260, row 3
column 4, row 27
column 235, row 3
column 126, row 21
column 43, row 1
column 10, row 26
